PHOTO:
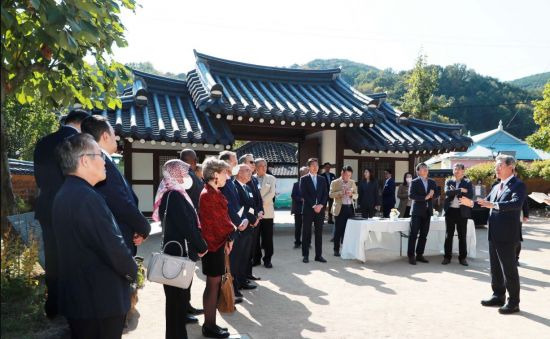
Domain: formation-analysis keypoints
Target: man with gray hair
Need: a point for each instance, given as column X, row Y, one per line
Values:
column 505, row 202
column 95, row 265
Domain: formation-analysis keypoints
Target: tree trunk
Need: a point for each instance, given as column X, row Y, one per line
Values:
column 8, row 199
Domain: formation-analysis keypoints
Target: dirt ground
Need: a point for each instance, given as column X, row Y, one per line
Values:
column 384, row 297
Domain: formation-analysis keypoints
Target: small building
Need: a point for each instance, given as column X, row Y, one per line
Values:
column 222, row 101
column 486, row 146
column 22, row 180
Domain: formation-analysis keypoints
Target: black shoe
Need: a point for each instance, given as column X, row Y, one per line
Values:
column 336, row 253
column 238, row 294
column 305, row 260
column 421, row 259
column 446, row 261
column 189, row 319
column 214, row 332
column 238, row 300
column 320, row 259
column 330, row 222
column 508, row 309
column 412, row 261
column 331, row 239
column 463, row 262
column 195, row 311
column 222, row 328
column 256, row 263
column 268, row 265
column 248, row 286
column 297, row 245
column 252, row 277
column 493, row 301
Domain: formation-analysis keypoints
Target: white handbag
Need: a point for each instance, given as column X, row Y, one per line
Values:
column 177, row 271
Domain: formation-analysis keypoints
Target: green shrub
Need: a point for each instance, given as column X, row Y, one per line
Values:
column 539, row 169
column 484, row 171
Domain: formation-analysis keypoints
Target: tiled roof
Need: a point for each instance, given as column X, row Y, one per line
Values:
column 284, row 171
column 272, row 152
column 159, row 108
column 398, row 133
column 235, row 90
column 21, row 167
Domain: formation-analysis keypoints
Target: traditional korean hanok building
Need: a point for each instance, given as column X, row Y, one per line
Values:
column 222, row 101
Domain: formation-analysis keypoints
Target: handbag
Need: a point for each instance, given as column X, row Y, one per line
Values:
column 226, row 300
column 177, row 271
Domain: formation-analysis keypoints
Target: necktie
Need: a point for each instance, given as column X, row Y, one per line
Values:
column 314, row 178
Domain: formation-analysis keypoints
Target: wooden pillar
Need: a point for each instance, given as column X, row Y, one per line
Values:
column 127, row 156
column 340, row 145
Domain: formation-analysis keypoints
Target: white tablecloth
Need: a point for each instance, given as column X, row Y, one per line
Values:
column 362, row 235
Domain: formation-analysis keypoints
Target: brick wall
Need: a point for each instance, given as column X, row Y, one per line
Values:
column 24, row 187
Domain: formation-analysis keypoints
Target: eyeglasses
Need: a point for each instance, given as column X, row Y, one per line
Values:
column 102, row 155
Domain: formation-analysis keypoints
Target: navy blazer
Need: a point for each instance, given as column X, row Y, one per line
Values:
column 297, row 202
column 505, row 223
column 451, row 190
column 233, row 204
column 47, row 172
column 329, row 177
column 311, row 195
column 417, row 193
column 388, row 192
column 95, row 265
column 195, row 191
column 246, row 198
column 258, row 201
column 123, row 203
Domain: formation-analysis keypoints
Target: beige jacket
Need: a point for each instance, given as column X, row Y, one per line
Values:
column 267, row 190
column 336, row 192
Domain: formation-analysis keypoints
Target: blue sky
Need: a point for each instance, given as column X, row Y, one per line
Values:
column 504, row 39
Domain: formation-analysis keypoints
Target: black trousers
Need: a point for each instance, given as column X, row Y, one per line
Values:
column 51, row 268
column 316, row 220
column 239, row 257
column 453, row 220
column 367, row 212
column 266, row 239
column 255, row 246
column 176, row 309
column 297, row 229
column 346, row 212
column 420, row 225
column 386, row 209
column 504, row 270
column 104, row 328
column 330, row 202
column 407, row 212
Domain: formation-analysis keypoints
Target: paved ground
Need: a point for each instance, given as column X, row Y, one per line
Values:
column 385, row 297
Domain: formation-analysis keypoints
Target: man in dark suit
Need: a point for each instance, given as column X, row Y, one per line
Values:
column 456, row 215
column 242, row 247
column 116, row 191
column 388, row 194
column 315, row 194
column 505, row 201
column 296, row 209
column 190, row 157
column 329, row 178
column 233, row 203
column 95, row 265
column 49, row 179
column 421, row 192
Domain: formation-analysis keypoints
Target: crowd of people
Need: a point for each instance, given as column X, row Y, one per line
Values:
column 225, row 207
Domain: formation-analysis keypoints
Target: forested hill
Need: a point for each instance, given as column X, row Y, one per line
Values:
column 479, row 101
column 533, row 82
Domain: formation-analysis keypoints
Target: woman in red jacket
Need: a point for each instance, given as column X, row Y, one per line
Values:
column 217, row 230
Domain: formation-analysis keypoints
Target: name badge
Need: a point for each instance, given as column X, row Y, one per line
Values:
column 250, row 195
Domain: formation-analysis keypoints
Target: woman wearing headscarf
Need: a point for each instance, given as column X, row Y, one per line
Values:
column 403, row 195
column 217, row 230
column 181, row 225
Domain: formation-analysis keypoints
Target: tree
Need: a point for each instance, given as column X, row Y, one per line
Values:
column 541, row 138
column 420, row 99
column 44, row 46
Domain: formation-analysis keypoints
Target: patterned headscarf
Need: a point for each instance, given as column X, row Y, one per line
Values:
column 175, row 173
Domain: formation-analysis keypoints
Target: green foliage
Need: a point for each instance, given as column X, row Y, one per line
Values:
column 539, row 169
column 526, row 170
column 22, row 290
column 420, row 99
column 533, row 82
column 25, row 125
column 44, row 44
column 148, row 67
column 541, row 138
column 484, row 172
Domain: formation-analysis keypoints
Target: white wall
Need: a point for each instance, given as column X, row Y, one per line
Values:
column 142, row 166
column 145, row 196
column 328, row 146
column 354, row 163
column 401, row 167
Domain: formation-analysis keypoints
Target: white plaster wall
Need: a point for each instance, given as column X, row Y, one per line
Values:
column 142, row 166
column 145, row 196
column 401, row 167
column 328, row 146
column 354, row 163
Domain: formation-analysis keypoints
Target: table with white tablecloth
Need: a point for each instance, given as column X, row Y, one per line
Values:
column 362, row 235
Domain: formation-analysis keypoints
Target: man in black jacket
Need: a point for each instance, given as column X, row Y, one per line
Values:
column 421, row 192
column 190, row 157
column 314, row 191
column 95, row 265
column 456, row 215
column 329, row 178
column 49, row 179
column 505, row 201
